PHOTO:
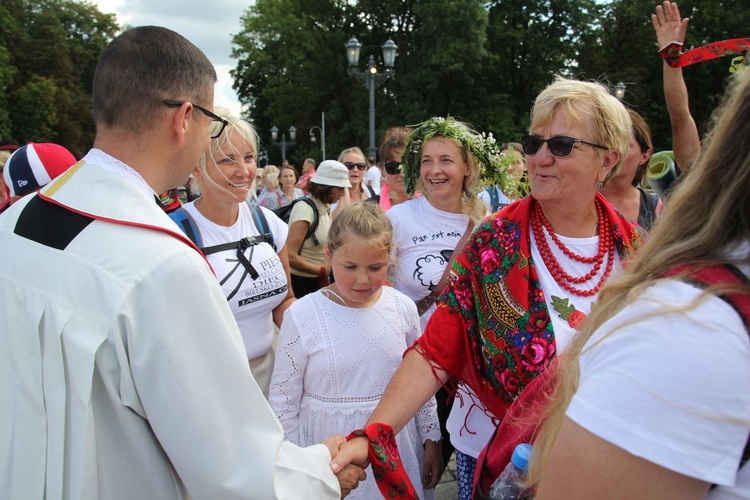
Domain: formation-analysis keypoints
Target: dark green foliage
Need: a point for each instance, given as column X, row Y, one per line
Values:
column 48, row 53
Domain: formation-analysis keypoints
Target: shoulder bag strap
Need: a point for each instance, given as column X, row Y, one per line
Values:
column 425, row 303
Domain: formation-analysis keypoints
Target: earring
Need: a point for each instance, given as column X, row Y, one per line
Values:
column 600, row 186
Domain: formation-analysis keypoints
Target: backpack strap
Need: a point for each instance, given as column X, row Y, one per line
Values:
column 494, row 198
column 314, row 225
column 186, row 222
column 261, row 224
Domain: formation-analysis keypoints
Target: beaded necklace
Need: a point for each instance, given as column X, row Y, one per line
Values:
column 539, row 223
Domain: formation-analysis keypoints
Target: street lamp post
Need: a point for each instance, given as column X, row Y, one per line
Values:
column 619, row 90
column 322, row 134
column 370, row 77
column 284, row 144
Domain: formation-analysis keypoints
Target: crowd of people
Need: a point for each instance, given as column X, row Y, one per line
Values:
column 177, row 323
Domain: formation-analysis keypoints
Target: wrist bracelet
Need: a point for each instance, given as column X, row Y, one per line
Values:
column 385, row 460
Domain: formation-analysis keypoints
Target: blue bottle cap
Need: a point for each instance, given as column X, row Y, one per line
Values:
column 521, row 456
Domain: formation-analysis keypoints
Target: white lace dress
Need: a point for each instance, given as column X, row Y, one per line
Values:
column 332, row 366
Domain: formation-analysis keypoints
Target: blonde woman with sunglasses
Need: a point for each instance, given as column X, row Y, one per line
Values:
column 527, row 275
column 354, row 160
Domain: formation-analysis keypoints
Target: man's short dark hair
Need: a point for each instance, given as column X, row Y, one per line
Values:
column 141, row 68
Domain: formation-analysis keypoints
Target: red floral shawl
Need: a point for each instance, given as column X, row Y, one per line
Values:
column 492, row 329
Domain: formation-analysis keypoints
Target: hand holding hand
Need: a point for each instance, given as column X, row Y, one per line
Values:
column 349, row 478
column 355, row 451
column 668, row 25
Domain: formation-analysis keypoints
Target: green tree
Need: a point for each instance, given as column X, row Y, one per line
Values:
column 623, row 48
column 529, row 42
column 52, row 48
column 292, row 65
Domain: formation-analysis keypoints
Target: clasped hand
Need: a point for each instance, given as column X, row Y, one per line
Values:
column 349, row 461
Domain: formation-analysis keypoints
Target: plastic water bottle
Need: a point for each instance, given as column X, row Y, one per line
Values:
column 509, row 485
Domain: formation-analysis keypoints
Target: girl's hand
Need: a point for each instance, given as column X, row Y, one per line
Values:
column 433, row 464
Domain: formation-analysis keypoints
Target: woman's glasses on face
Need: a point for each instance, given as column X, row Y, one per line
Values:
column 560, row 146
column 350, row 165
column 392, row 167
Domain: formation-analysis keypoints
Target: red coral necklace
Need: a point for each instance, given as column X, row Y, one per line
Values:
column 562, row 278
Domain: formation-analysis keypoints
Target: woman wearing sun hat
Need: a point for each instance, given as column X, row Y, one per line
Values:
column 306, row 256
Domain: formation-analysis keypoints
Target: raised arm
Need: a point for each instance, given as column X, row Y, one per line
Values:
column 670, row 28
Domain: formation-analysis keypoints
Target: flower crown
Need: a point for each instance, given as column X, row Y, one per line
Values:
column 494, row 167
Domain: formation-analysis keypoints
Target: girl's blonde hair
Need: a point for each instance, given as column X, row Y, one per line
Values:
column 709, row 214
column 361, row 221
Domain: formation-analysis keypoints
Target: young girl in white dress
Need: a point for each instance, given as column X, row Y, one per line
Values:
column 339, row 347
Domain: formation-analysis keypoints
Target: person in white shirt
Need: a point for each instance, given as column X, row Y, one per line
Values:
column 374, row 175
column 122, row 370
column 653, row 399
column 257, row 287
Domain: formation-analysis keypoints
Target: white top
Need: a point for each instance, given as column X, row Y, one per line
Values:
column 332, row 366
column 423, row 241
column 122, row 371
column 470, row 424
column 311, row 252
column 374, row 175
column 252, row 301
column 672, row 386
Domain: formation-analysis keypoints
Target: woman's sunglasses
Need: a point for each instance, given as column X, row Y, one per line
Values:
column 392, row 167
column 350, row 165
column 560, row 146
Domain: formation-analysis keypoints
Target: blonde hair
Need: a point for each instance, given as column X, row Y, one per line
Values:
column 221, row 146
column 271, row 176
column 591, row 105
column 361, row 221
column 354, row 150
column 709, row 213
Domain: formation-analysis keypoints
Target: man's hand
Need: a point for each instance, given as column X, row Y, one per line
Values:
column 668, row 25
column 349, row 472
column 349, row 478
column 355, row 451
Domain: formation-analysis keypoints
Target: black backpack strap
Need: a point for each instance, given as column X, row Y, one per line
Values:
column 186, row 222
column 261, row 224
column 314, row 225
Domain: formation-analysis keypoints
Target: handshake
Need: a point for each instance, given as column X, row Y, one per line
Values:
column 349, row 461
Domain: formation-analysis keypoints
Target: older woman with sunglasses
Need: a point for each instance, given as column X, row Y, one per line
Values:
column 354, row 160
column 528, row 274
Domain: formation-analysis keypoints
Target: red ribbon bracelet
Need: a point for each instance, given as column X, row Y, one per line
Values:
column 674, row 56
column 389, row 473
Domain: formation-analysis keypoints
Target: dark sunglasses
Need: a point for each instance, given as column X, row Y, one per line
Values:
column 218, row 123
column 560, row 145
column 350, row 165
column 392, row 167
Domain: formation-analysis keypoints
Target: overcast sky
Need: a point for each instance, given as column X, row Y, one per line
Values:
column 208, row 24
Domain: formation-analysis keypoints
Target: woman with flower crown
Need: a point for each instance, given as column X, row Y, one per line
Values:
column 528, row 274
column 437, row 162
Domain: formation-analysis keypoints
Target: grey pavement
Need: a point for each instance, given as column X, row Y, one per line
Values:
column 447, row 489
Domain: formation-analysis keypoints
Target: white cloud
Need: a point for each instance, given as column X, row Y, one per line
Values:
column 208, row 24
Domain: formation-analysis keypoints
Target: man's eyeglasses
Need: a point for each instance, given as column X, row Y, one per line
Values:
column 350, row 165
column 217, row 125
column 392, row 167
column 560, row 146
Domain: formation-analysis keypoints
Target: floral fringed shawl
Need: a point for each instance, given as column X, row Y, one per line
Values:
column 492, row 329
